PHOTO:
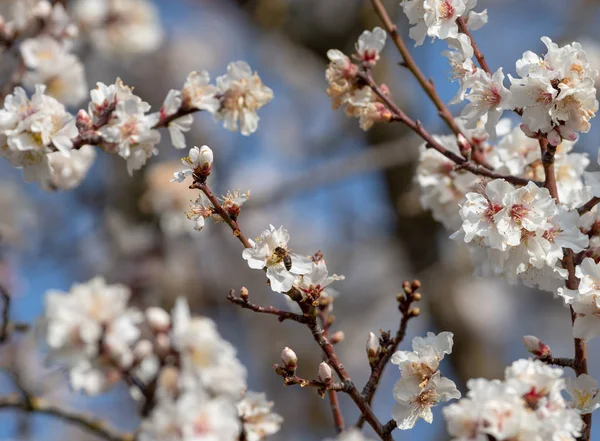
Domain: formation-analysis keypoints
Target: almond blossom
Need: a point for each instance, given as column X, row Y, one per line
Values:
column 421, row 385
column 585, row 300
column 369, row 46
column 488, row 97
column 585, row 393
column 269, row 252
column 243, row 93
column 527, row 405
column 258, row 419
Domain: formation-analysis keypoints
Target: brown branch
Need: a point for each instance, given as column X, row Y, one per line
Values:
column 411, row 65
column 222, row 213
column 462, row 25
column 334, row 404
column 548, row 152
column 39, row 405
column 431, row 142
column 588, row 205
column 282, row 315
column 558, row 361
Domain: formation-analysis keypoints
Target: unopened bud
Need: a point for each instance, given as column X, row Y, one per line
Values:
column 163, row 343
column 158, row 319
column 201, row 159
column 169, row 380
column 289, row 358
column 143, row 349
column 406, row 287
column 83, row 122
column 325, row 375
column 42, row 9
column 416, row 296
column 463, row 146
column 337, row 337
column 416, row 284
column 536, row 347
column 244, row 293
column 373, row 347
column 415, row 312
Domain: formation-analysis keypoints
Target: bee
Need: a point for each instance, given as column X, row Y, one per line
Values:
column 283, row 254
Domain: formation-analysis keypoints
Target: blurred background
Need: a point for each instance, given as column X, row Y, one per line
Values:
column 334, row 187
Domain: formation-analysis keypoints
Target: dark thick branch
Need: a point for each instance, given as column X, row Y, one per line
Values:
column 462, row 25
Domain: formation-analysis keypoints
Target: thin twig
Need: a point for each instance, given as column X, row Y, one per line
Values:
column 548, row 152
column 39, row 405
column 282, row 315
column 462, row 25
column 222, row 213
column 334, row 403
column 5, row 313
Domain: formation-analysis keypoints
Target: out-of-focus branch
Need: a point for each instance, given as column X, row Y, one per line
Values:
column 588, row 205
column 558, row 361
column 6, row 326
column 41, row 406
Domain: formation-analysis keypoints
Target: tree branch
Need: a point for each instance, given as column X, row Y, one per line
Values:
column 39, row 405
column 282, row 315
column 462, row 25
column 417, row 127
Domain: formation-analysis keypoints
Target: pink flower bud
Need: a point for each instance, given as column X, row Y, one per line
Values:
column 464, row 146
column 289, row 358
column 325, row 375
column 554, row 137
column 158, row 319
column 83, row 121
column 536, row 347
column 373, row 347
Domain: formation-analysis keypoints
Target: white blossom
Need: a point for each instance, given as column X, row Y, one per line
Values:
column 199, row 161
column 369, row 46
column 314, row 284
column 584, row 392
column 67, row 172
column 258, row 419
column 243, row 93
column 177, row 126
column 269, row 252
column 198, row 93
column 488, row 97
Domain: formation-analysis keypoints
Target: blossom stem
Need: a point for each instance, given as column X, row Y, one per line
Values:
column 559, row 361
column 417, row 127
column 222, row 213
column 588, row 205
column 409, row 62
column 548, row 152
column 334, row 402
column 462, row 25
column 282, row 315
column 39, row 405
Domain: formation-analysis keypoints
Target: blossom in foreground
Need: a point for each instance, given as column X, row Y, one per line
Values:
column 584, row 392
column 270, row 251
column 314, row 284
column 198, row 93
column 258, row 419
column 369, row 46
column 243, row 93
column 90, row 330
column 421, row 385
column 585, row 300
column 199, row 161
column 488, row 97
column 527, row 405
column 437, row 18
column 556, row 92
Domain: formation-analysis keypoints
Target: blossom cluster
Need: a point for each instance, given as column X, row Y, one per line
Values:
column 53, row 147
column 345, row 87
column 177, row 365
column 527, row 405
column 520, row 231
column 422, row 385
